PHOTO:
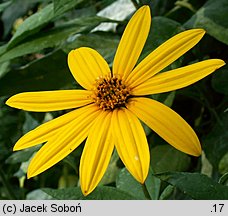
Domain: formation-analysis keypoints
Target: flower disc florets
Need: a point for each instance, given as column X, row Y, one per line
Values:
column 111, row 93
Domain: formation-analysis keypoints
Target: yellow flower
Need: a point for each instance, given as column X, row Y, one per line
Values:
column 111, row 105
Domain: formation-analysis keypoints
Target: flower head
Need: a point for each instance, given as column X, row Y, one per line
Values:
column 109, row 109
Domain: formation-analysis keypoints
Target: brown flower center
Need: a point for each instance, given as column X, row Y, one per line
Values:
column 111, row 93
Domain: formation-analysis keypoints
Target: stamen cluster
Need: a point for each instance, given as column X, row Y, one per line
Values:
column 111, row 93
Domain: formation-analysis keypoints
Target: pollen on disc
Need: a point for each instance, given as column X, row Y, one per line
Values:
column 111, row 93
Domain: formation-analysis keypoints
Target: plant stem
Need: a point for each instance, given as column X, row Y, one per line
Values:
column 5, row 183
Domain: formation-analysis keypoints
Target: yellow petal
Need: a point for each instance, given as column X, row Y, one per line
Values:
column 167, row 124
column 63, row 143
column 131, row 143
column 178, row 78
column 96, row 154
column 132, row 42
column 47, row 130
column 164, row 55
column 87, row 65
column 50, row 100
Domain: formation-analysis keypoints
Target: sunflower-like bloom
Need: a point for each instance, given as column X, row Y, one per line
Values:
column 109, row 109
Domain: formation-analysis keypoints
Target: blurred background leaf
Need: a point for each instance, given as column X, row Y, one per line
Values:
column 4, row 5
column 215, row 143
column 220, row 81
column 36, row 76
column 61, row 6
column 213, row 18
column 56, row 37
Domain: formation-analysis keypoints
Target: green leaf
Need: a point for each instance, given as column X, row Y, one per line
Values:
column 100, row 193
column 213, row 18
column 37, row 195
column 112, row 170
column 220, row 80
column 223, row 164
column 127, row 183
column 53, row 38
column 48, row 73
column 162, row 29
column 60, row 6
column 166, row 193
column 206, row 167
column 215, row 143
column 169, row 99
column 3, row 49
column 224, row 179
column 71, row 161
column 160, row 7
column 9, row 129
column 17, row 9
column 4, row 5
column 195, row 185
column 166, row 158
column 153, row 185
column 37, row 21
column 105, row 43
column 29, row 124
column 32, row 25
column 4, row 68
column 22, row 156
